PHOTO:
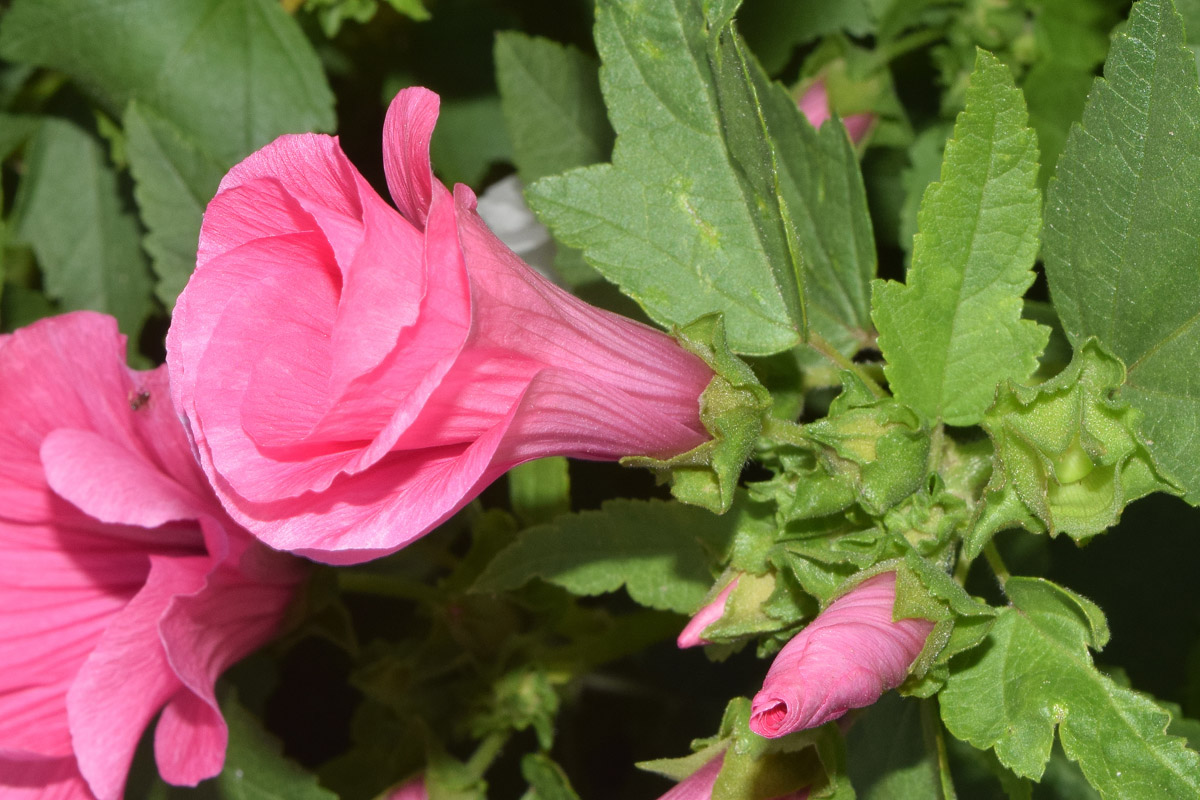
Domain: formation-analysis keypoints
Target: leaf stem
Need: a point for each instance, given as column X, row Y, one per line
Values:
column 818, row 343
column 996, row 562
column 935, row 741
column 481, row 760
column 783, row 431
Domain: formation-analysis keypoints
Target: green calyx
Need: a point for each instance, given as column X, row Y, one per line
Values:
column 732, row 409
column 1068, row 455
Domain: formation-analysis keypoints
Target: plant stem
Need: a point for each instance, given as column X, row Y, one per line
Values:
column 784, row 432
column 996, row 563
column 818, row 343
column 481, row 760
column 935, row 741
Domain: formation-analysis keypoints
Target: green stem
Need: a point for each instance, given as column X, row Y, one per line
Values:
column 378, row 585
column 783, row 431
column 481, row 760
column 996, row 562
column 818, row 343
column 935, row 742
column 905, row 44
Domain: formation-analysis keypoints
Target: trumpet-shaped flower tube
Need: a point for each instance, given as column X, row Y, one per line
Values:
column 125, row 590
column 846, row 658
column 352, row 375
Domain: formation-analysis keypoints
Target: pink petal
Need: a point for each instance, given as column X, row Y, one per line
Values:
column 41, row 779
column 412, row 789
column 845, row 658
column 406, row 134
column 204, row 634
column 814, row 103
column 107, row 710
column 699, row 785
column 690, row 636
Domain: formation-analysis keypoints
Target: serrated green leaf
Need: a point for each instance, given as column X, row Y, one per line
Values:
column 550, row 95
column 1068, row 457
column 174, row 180
column 69, row 209
column 668, row 220
column 540, row 490
column 1036, row 674
column 469, row 138
column 955, row 331
column 255, row 767
column 260, row 76
column 661, row 552
column 1122, row 239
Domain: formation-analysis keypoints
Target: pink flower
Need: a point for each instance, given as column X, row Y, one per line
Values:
column 814, row 104
column 690, row 635
column 125, row 590
column 845, row 658
column 412, row 789
column 699, row 785
column 352, row 376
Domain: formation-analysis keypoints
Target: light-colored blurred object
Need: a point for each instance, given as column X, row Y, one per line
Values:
column 502, row 206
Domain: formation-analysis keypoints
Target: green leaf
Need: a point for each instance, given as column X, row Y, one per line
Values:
column 1068, row 457
column 887, row 755
column 774, row 28
column 547, row 781
column 661, row 552
column 255, row 767
column 550, row 95
column 669, row 220
column 955, row 331
column 69, row 209
column 174, row 180
column 1122, row 240
column 469, row 138
column 234, row 74
column 1036, row 674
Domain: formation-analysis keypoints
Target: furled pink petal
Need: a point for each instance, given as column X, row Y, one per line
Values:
column 814, row 104
column 846, row 658
column 110, row 543
column 352, row 376
column 690, row 636
column 699, row 785
column 412, row 789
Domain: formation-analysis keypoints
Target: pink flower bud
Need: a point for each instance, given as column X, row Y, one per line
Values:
column 352, row 376
column 411, row 789
column 699, row 785
column 846, row 658
column 125, row 590
column 690, row 635
column 814, row 104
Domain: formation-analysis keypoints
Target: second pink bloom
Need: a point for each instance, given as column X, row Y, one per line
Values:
column 352, row 376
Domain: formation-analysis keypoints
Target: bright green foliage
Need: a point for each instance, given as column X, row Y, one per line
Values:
column 261, row 77
column 1069, row 457
column 661, row 552
column 713, row 196
column 1036, row 674
column 732, row 408
column 760, row 604
column 550, row 94
column 1122, row 240
column 174, row 180
column 955, row 330
column 333, row 13
column 69, row 209
column 255, row 767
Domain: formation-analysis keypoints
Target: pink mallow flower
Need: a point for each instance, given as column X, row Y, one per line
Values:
column 352, row 376
column 846, row 658
column 814, row 104
column 125, row 590
column 699, row 785
column 690, row 636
